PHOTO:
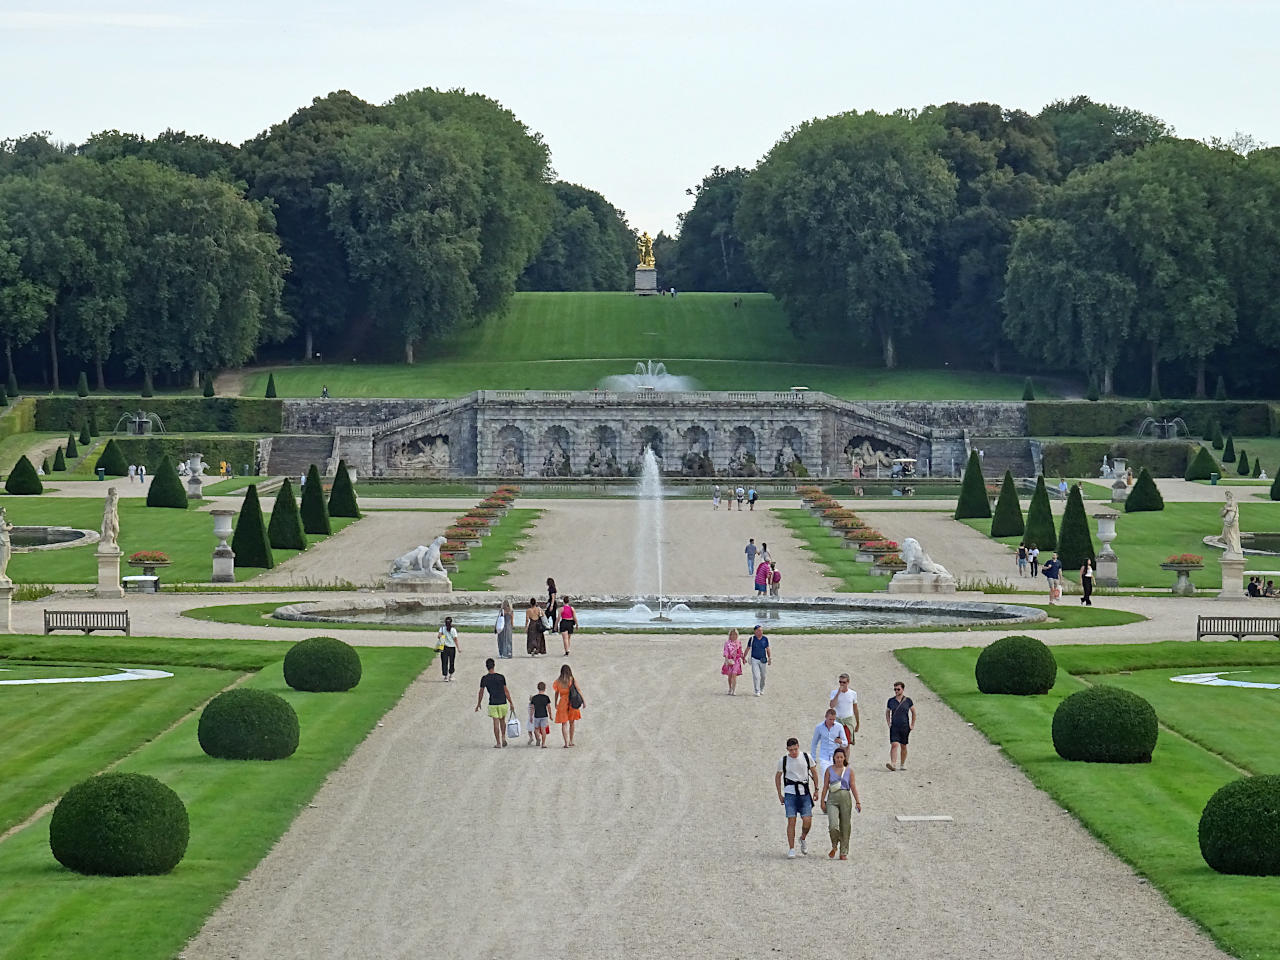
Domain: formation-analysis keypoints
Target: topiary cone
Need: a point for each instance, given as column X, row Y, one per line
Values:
column 1075, row 545
column 59, row 461
column 111, row 461
column 73, row 451
column 284, row 532
column 1145, row 495
column 23, row 479
column 271, row 386
column 1275, row 487
column 1201, row 466
column 315, row 512
column 973, row 502
column 252, row 549
column 1040, row 531
column 1007, row 520
column 1242, row 468
column 85, row 437
column 342, row 496
column 1229, row 451
column 166, row 487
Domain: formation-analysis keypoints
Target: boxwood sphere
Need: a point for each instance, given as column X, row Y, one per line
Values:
column 119, row 825
column 1105, row 725
column 322, row 665
column 1018, row 665
column 248, row 725
column 1240, row 827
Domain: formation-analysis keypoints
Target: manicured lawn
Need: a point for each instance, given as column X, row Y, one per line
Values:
column 826, row 549
column 1146, row 813
column 487, row 560
column 1144, row 540
column 569, row 341
column 230, row 485
column 237, row 809
column 12, row 447
column 186, row 536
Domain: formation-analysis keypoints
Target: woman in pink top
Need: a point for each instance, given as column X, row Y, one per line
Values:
column 568, row 623
column 732, row 661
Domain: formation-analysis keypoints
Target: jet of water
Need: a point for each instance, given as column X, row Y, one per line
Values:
column 649, row 529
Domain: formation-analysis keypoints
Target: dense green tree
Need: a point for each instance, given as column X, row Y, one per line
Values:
column 1075, row 543
column 24, row 304
column 1145, row 495
column 1007, row 520
column 194, row 154
column 973, row 502
column 249, row 542
column 166, row 488
column 1087, row 133
column 588, row 247
column 1040, row 531
column 839, row 220
column 709, row 253
column 342, row 495
column 23, row 479
column 315, row 511
column 31, row 153
column 285, row 529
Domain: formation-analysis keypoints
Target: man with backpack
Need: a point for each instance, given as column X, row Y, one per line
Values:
column 796, row 773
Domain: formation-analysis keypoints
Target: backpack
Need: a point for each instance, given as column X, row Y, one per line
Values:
column 575, row 698
column 802, row 786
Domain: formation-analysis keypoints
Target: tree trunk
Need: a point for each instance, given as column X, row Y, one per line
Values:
column 148, row 385
column 308, row 343
column 995, row 358
column 53, row 350
column 724, row 259
column 8, row 359
column 1155, row 370
column 1201, row 394
column 195, row 380
column 1108, row 381
column 890, row 350
column 97, row 363
column 408, row 350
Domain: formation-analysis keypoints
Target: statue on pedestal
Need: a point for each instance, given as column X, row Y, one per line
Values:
column 1230, row 514
column 6, row 544
column 110, row 523
column 920, row 562
column 645, row 247
column 422, row 561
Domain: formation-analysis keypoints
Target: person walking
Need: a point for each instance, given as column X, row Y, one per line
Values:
column 142, row 474
column 553, row 602
column 535, row 630
column 763, row 575
column 1022, row 559
column 732, row 667
column 765, row 555
column 751, row 552
column 503, row 627
column 792, row 781
column 844, row 700
column 133, row 471
column 900, row 715
column 447, row 644
column 568, row 623
column 826, row 737
column 740, row 494
column 839, row 798
column 751, row 500
column 569, row 703
column 775, row 581
column 541, row 705
column 1051, row 571
column 715, row 497
column 761, row 657
column 1086, row 582
column 495, row 684
column 1033, row 557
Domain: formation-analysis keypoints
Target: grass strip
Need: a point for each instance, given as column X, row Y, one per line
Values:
column 487, row 559
column 827, row 549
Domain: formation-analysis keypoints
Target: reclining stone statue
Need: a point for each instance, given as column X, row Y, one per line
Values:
column 918, row 561
column 422, row 561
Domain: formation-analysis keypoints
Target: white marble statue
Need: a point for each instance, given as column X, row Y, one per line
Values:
column 6, row 544
column 110, row 522
column 1107, row 471
column 1230, row 514
column 918, row 561
column 422, row 561
column 439, row 457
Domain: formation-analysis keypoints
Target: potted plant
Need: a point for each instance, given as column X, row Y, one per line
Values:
column 148, row 561
column 872, row 550
column 1183, row 564
column 889, row 564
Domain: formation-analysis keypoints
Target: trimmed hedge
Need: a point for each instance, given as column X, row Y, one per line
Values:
column 247, row 724
column 1083, row 458
column 1229, row 451
column 1075, row 544
column 82, row 385
column 1040, row 530
column 1110, row 418
column 1144, row 496
column 1028, row 390
column 1275, row 486
column 1018, row 665
column 1240, row 827
column 23, row 481
column 342, row 495
column 1242, row 468
column 1201, row 466
column 180, row 414
column 322, row 665
column 119, row 825
column 151, row 450
column 86, row 433
column 19, row 418
column 166, row 488
column 249, row 542
column 1007, row 520
column 112, row 461
column 315, row 512
column 284, row 532
column 73, row 451
column 59, row 461
column 973, row 502
column 1105, row 725
column 271, row 386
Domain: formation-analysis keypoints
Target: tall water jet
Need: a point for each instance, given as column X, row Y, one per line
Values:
column 649, row 530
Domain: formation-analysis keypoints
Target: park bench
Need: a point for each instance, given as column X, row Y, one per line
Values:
column 86, row 620
column 141, row 583
column 1238, row 627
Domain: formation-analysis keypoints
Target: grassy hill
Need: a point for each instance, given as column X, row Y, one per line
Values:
column 569, row 341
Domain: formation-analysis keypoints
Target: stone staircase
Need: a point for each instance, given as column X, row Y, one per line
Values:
column 1005, row 453
column 292, row 456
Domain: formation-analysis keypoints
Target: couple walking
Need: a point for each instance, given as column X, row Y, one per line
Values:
column 558, row 616
column 838, row 797
column 735, row 653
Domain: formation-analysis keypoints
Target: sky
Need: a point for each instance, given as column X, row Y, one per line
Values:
column 637, row 100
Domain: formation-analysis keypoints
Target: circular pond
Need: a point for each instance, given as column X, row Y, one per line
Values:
column 26, row 538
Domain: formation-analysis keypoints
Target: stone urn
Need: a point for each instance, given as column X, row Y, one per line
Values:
column 1183, row 587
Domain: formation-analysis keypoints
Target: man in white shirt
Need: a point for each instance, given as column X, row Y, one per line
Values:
column 792, row 781
column 844, row 700
column 826, row 737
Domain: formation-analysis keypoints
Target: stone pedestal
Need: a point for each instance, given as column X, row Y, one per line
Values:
column 1106, row 567
column 646, row 281
column 921, row 583
column 400, row 583
column 1232, row 576
column 224, row 558
column 1119, row 491
column 109, row 572
column 195, row 487
column 6, row 598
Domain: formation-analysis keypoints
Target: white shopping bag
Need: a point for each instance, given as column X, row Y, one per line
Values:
column 513, row 727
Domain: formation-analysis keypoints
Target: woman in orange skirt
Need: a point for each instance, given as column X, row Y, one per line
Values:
column 566, row 715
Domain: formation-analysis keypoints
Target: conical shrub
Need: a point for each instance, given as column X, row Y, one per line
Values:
column 342, row 495
column 111, row 461
column 208, row 386
column 315, row 512
column 86, row 436
column 1257, row 468
column 1040, row 531
column 82, row 385
column 1144, row 496
column 1093, row 394
column 1075, row 544
column 1220, row 391
column 1215, row 435
column 4, row 397
column 59, row 461
column 1028, row 390
column 46, row 466
column 23, row 480
column 1275, row 487
column 1229, row 451
column 1242, row 467
column 1007, row 520
column 166, row 487
column 285, row 529
column 252, row 549
column 73, row 451
column 1201, row 466
column 973, row 502
column 271, row 386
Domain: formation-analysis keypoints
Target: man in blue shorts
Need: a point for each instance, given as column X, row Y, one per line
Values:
column 796, row 772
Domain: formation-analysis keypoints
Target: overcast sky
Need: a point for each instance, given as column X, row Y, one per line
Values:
column 636, row 101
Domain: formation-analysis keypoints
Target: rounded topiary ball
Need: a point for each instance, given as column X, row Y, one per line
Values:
column 1240, row 827
column 1105, row 725
column 322, row 665
column 248, row 725
column 1018, row 665
column 119, row 825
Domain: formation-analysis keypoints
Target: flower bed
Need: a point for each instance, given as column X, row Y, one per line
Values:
column 150, row 557
column 1185, row 560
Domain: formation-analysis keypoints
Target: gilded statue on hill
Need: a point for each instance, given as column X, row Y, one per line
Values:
column 645, row 246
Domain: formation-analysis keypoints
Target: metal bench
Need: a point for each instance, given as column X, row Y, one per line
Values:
column 86, row 620
column 1238, row 627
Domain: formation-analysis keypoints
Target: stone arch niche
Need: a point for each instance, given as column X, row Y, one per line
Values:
column 868, row 453
column 696, row 458
column 742, row 453
column 652, row 437
column 788, row 459
column 510, row 450
column 602, row 453
column 425, row 455
column 557, row 457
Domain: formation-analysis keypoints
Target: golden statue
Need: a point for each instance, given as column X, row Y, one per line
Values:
column 645, row 246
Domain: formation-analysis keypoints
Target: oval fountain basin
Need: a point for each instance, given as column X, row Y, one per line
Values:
column 26, row 538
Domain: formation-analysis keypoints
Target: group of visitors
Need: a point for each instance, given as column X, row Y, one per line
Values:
column 1256, row 588
column 1028, row 555
column 568, row 706
column 138, row 471
column 763, row 569
column 747, row 495
column 557, row 616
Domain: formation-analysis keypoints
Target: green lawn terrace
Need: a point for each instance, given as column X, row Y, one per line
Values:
column 571, row 341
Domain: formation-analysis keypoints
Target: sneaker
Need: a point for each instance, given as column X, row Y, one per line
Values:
column 889, row 767
column 804, row 846
column 757, row 693
column 791, row 853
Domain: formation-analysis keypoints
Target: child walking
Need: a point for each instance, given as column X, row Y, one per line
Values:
column 539, row 717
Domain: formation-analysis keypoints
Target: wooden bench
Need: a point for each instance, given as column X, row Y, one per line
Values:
column 1238, row 627
column 141, row 583
column 86, row 620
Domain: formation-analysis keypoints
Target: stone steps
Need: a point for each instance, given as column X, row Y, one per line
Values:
column 292, row 456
